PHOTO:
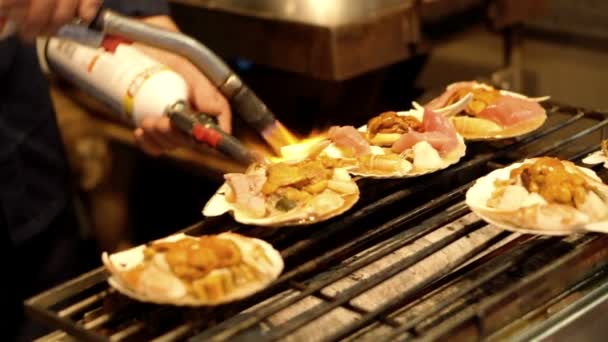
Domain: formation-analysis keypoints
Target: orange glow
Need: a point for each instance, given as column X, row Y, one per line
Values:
column 286, row 144
column 299, row 149
column 278, row 136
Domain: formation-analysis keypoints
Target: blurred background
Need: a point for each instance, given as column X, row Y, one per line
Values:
column 326, row 62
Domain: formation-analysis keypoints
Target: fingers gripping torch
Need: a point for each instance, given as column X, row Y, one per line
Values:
column 109, row 68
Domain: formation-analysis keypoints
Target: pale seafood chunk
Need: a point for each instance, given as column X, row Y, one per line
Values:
column 326, row 202
column 342, row 187
column 426, row 157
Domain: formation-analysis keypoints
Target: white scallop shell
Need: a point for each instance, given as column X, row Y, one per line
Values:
column 126, row 260
column 407, row 172
column 219, row 205
column 507, row 133
column 515, row 131
column 452, row 158
column 597, row 157
column 543, row 219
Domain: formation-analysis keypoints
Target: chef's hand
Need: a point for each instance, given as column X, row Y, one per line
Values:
column 44, row 17
column 156, row 134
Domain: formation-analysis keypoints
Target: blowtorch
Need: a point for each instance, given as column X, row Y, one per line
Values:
column 100, row 59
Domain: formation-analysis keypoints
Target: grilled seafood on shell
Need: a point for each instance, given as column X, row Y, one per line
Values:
column 397, row 144
column 481, row 112
column 286, row 193
column 542, row 195
column 194, row 271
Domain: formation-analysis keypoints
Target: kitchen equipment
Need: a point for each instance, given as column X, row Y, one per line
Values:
column 244, row 101
column 339, row 40
column 117, row 32
column 135, row 85
column 408, row 262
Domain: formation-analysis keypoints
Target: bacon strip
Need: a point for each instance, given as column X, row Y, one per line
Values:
column 438, row 132
column 247, row 191
column 349, row 137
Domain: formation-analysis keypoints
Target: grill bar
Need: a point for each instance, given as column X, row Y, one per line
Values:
column 83, row 304
column 98, row 321
column 177, row 333
column 374, row 280
column 488, row 316
column 64, row 291
column 400, row 331
column 128, row 331
column 490, row 260
column 488, row 270
column 416, row 290
column 555, row 323
column 571, row 138
column 62, row 323
column 349, row 306
column 550, row 306
column 52, row 337
column 583, row 153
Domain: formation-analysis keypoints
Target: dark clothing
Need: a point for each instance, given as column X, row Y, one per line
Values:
column 138, row 8
column 48, row 259
column 33, row 168
column 37, row 226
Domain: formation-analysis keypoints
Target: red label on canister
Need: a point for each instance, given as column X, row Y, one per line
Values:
column 111, row 42
column 206, row 135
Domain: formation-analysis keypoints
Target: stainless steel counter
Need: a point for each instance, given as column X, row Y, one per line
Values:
column 333, row 39
column 328, row 13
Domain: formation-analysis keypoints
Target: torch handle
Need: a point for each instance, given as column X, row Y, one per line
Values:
column 203, row 130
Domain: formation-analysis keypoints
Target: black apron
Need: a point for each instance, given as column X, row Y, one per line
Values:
column 38, row 229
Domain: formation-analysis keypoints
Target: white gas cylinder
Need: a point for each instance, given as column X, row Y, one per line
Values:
column 118, row 74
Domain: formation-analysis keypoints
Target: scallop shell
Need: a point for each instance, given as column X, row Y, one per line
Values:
column 219, row 205
column 452, row 158
column 537, row 218
column 475, row 129
column 478, row 129
column 407, row 172
column 116, row 264
column 598, row 157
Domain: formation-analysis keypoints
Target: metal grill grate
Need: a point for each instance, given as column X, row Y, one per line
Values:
column 408, row 262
